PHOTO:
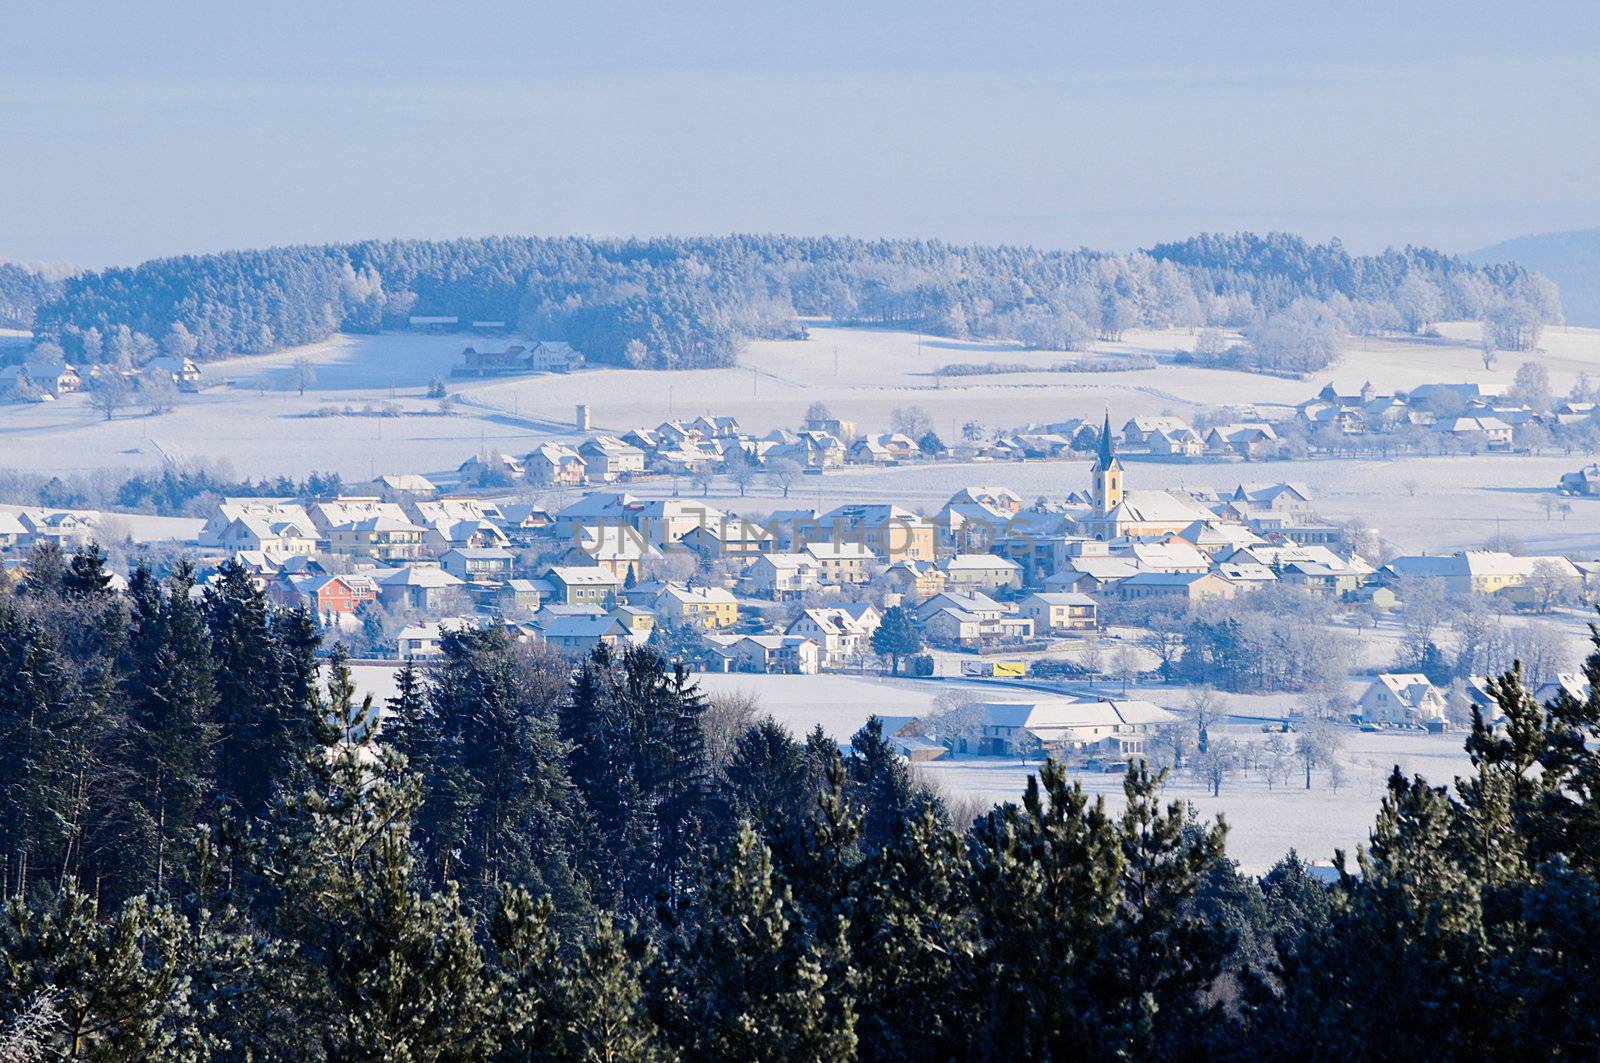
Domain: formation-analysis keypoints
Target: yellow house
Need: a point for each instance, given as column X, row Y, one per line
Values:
column 380, row 538
column 709, row 607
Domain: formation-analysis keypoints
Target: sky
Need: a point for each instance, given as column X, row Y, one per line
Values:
column 137, row 130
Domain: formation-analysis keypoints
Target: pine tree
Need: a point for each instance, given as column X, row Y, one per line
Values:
column 748, row 980
column 1045, row 896
column 117, row 982
column 395, row 972
column 915, row 946
column 602, row 1014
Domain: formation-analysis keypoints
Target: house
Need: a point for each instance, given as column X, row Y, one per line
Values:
column 977, row 603
column 1138, row 430
column 421, row 587
column 621, row 551
column 1492, row 431
column 1192, row 586
column 380, row 538
column 732, row 539
column 521, row 519
column 326, row 514
column 887, row 530
column 66, row 527
column 12, row 529
column 1401, row 698
column 513, row 359
column 1057, row 726
column 52, row 376
column 450, row 509
column 263, row 534
column 184, row 373
column 1248, row 440
column 775, row 654
column 338, row 595
column 1476, row 571
column 1274, row 498
column 548, row 356
column 583, row 584
column 782, row 576
column 1584, row 482
column 489, row 469
column 407, row 483
column 607, row 459
column 844, row 633
column 914, row 581
column 271, row 510
column 1182, row 443
column 841, row 563
column 517, row 596
column 972, row 526
column 996, row 499
column 953, row 627
column 1059, row 612
column 1331, row 581
column 583, row 634
column 881, row 449
column 476, row 534
column 707, row 607
column 985, row 572
column 477, row 564
column 422, row 641
column 641, row 623
column 555, row 465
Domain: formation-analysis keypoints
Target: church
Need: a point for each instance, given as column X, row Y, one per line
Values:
column 1116, row 512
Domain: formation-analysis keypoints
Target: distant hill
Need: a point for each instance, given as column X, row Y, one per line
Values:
column 688, row 302
column 1571, row 259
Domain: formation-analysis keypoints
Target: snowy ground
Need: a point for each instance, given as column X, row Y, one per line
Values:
column 260, row 422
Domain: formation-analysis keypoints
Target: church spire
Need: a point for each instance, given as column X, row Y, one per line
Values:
column 1106, row 479
column 1107, row 454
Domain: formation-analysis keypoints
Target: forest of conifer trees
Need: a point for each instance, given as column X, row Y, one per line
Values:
column 688, row 302
column 213, row 850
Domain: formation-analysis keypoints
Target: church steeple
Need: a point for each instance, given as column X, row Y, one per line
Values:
column 1108, row 456
column 1106, row 478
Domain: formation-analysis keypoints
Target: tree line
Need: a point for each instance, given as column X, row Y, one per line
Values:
column 214, row 849
column 686, row 302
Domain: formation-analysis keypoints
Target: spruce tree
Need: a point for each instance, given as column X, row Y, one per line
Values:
column 265, row 680
column 502, row 805
column 170, row 696
column 44, row 733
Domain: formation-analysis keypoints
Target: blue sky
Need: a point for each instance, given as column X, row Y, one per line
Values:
column 155, row 128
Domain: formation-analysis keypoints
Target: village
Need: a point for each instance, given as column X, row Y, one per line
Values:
column 1060, row 619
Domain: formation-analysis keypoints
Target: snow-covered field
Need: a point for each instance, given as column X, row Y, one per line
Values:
column 260, row 425
column 1263, row 823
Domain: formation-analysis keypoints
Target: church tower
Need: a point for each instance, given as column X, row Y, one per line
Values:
column 1106, row 479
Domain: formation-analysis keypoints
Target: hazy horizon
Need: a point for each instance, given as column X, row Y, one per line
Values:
column 167, row 129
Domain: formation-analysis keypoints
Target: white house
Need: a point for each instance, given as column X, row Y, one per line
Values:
column 1401, row 698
